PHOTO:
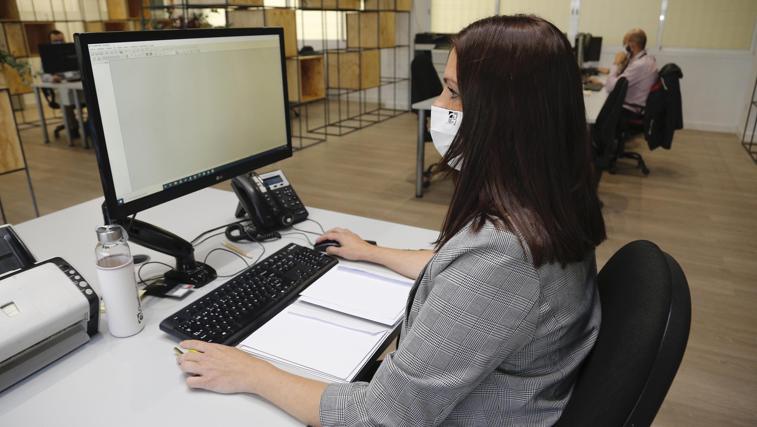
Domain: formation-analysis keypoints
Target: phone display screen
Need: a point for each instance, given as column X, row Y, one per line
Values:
column 273, row 181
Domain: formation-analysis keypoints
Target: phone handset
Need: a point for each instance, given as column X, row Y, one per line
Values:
column 264, row 210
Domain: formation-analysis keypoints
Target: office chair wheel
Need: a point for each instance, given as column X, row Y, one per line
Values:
column 57, row 130
column 645, row 170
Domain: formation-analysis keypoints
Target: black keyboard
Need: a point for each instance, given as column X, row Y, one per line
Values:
column 237, row 308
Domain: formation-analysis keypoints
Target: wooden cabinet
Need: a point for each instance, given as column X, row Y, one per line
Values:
column 354, row 69
column 305, row 78
column 331, row 4
column 285, row 18
column 9, row 12
column 246, row 2
column 124, row 9
column 399, row 5
column 371, row 29
column 11, row 156
column 14, row 39
column 37, row 33
column 15, row 83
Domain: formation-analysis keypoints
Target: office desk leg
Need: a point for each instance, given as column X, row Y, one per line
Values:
column 420, row 154
column 41, row 112
column 80, row 113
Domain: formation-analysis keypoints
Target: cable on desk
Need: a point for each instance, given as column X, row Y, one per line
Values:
column 199, row 236
column 306, row 231
column 207, row 238
column 144, row 281
column 247, row 265
column 300, row 233
column 318, row 224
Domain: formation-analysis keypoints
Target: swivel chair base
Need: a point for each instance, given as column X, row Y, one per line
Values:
column 631, row 155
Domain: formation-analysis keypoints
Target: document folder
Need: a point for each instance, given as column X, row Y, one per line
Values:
column 336, row 325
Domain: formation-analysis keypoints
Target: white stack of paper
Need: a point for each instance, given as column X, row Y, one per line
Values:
column 360, row 293
column 336, row 325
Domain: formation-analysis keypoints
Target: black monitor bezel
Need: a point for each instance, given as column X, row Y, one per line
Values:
column 116, row 211
column 45, row 51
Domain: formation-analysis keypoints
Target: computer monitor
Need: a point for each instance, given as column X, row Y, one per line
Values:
column 593, row 49
column 587, row 48
column 177, row 111
column 58, row 58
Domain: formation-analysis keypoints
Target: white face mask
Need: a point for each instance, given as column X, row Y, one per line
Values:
column 444, row 126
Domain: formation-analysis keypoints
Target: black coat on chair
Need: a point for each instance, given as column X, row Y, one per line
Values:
column 663, row 116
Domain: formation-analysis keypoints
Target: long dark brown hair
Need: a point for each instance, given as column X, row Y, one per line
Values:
column 523, row 140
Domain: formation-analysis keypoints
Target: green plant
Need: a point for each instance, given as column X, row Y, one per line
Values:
column 22, row 68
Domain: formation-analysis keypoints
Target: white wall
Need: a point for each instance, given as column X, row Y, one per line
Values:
column 715, row 87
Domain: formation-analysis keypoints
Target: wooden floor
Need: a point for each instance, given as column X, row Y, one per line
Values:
column 699, row 204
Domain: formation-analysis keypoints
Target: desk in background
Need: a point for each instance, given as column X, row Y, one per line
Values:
column 593, row 102
column 69, row 94
column 135, row 381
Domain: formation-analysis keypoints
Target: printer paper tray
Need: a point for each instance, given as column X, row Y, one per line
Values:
column 36, row 357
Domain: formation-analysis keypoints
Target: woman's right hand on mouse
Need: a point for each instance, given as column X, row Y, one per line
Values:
column 352, row 246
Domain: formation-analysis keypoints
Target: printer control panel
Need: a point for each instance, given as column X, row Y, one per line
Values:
column 86, row 290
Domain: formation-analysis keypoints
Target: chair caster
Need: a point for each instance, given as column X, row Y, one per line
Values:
column 645, row 171
column 426, row 179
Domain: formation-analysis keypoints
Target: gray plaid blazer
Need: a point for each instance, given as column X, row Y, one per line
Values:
column 487, row 340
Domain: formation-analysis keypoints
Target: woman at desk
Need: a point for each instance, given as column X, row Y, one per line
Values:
column 505, row 309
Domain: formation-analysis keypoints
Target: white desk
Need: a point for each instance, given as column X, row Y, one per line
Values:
column 68, row 95
column 135, row 381
column 593, row 102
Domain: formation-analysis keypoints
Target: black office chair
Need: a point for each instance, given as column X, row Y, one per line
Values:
column 52, row 103
column 658, row 119
column 646, row 314
column 424, row 84
column 604, row 132
column 631, row 127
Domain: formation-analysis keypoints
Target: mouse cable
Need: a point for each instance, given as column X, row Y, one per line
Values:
column 316, row 223
column 292, row 233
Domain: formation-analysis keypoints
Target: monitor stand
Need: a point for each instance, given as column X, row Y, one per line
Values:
column 187, row 270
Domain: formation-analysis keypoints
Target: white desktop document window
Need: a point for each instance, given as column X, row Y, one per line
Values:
column 173, row 109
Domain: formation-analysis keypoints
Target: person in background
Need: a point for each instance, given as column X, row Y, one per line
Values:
column 57, row 37
column 638, row 67
column 505, row 309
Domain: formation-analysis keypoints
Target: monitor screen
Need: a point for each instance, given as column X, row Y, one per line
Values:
column 593, row 49
column 176, row 111
column 58, row 58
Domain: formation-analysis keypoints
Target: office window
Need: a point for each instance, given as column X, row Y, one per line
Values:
column 610, row 19
column 317, row 25
column 450, row 16
column 710, row 24
column 554, row 11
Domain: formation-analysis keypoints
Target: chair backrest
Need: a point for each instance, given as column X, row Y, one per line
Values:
column 646, row 314
column 424, row 81
column 604, row 131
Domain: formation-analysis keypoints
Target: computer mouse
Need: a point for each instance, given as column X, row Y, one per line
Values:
column 321, row 247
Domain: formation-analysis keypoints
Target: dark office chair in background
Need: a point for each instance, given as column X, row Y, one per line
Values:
column 424, row 84
column 424, row 80
column 604, row 132
column 52, row 103
column 646, row 315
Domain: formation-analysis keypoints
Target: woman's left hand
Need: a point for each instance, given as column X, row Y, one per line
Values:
column 221, row 368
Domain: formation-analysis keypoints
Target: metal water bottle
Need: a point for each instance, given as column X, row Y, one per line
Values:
column 115, row 272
